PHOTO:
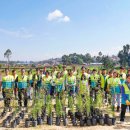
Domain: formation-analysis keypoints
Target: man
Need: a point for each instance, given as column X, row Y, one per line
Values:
column 22, row 88
column 7, row 89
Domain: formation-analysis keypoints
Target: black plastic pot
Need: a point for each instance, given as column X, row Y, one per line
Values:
column 106, row 116
column 78, row 115
column 65, row 121
column 58, row 121
column 17, row 119
column 13, row 124
column 82, row 122
column 5, row 123
column 101, row 121
column 109, row 121
column 74, row 121
column 21, row 114
column 34, row 123
column 9, row 118
column 50, row 120
column 3, row 114
column 94, row 121
column 113, row 121
column 27, row 123
column 39, row 121
column 88, row 121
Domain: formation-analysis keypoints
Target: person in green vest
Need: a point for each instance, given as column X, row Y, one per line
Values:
column 94, row 83
column 71, row 83
column 125, row 100
column 14, row 74
column 37, row 82
column 65, row 74
column 59, row 81
column 122, row 75
column 83, row 86
column 114, row 88
column 22, row 88
column 7, row 89
column 47, row 83
column 103, row 83
column 30, row 81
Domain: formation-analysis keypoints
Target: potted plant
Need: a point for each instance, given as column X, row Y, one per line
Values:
column 49, row 108
column 59, row 111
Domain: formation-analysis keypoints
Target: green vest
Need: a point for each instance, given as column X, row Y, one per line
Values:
column 127, row 90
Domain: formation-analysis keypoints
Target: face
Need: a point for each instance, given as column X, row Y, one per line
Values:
column 104, row 72
column 58, row 75
column 7, row 72
column 23, row 71
column 94, row 72
column 114, row 74
column 128, row 79
column 14, row 73
column 38, row 71
column 110, row 74
column 71, row 73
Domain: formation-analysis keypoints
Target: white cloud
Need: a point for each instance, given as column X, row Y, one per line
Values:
column 22, row 33
column 57, row 15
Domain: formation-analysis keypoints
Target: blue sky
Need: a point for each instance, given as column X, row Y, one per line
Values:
column 42, row 29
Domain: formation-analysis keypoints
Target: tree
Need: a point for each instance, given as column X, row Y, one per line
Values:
column 124, row 55
column 108, row 62
column 7, row 55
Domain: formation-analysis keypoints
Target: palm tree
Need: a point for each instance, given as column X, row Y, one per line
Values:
column 7, row 55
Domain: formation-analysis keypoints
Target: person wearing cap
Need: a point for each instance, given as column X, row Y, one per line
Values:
column 7, row 89
column 114, row 88
column 22, row 88
column 94, row 84
column 125, row 100
column 122, row 75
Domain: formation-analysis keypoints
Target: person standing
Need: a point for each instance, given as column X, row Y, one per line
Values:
column 22, row 88
column 7, row 89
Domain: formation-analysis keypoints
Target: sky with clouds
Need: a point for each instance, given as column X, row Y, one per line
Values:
column 42, row 29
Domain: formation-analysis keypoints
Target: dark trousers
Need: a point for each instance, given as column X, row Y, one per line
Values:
column 123, row 111
column 7, row 95
column 22, row 95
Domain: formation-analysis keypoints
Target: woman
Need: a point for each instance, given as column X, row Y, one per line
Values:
column 83, row 88
column 114, row 88
column 59, row 81
column 47, row 83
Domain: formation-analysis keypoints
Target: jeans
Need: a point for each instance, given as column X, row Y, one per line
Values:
column 22, row 94
column 116, row 98
column 123, row 111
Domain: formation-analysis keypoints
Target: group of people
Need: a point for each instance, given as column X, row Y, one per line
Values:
column 26, row 85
